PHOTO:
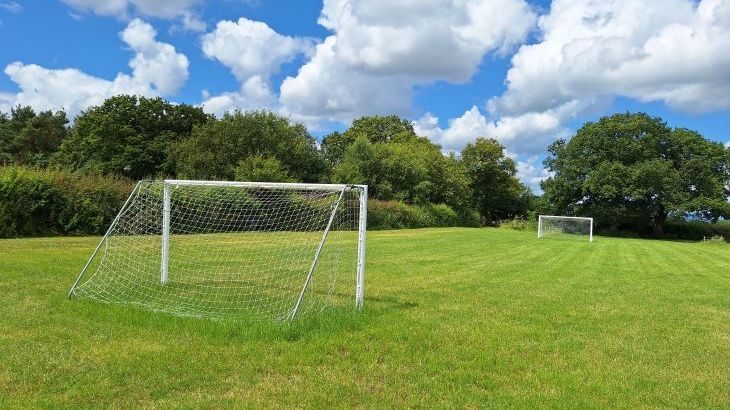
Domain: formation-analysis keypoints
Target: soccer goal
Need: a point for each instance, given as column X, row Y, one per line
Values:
column 232, row 249
column 550, row 225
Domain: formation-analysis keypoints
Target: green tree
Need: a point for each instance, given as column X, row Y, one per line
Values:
column 412, row 170
column 215, row 149
column 129, row 135
column 262, row 169
column 633, row 171
column 31, row 139
column 496, row 190
column 377, row 129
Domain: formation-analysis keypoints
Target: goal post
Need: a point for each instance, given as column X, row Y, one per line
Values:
column 553, row 225
column 228, row 248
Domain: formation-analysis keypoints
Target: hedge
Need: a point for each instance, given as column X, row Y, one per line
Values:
column 46, row 202
column 40, row 202
column 398, row 215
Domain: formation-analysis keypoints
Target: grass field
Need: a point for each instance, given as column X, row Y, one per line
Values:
column 454, row 318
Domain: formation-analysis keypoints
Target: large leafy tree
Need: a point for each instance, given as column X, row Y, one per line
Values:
column 28, row 138
column 249, row 145
column 129, row 135
column 376, row 129
column 633, row 171
column 497, row 193
column 411, row 170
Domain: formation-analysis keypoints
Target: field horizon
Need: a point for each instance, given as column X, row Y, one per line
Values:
column 454, row 317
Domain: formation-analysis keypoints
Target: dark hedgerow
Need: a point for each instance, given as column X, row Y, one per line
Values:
column 43, row 202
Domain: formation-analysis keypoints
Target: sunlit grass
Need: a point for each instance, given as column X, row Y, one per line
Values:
column 453, row 318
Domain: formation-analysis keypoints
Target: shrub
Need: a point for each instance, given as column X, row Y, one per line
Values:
column 35, row 202
column 520, row 224
column 398, row 215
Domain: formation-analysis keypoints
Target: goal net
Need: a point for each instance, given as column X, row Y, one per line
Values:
column 232, row 249
column 567, row 226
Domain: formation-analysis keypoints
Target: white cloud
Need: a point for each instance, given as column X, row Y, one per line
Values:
column 531, row 172
column 673, row 52
column 157, row 69
column 253, row 52
column 123, row 8
column 11, row 6
column 528, row 133
column 254, row 93
column 251, row 48
column 182, row 10
column 191, row 22
column 380, row 49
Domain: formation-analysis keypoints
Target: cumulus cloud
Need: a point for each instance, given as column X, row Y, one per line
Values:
column 525, row 134
column 380, row 49
column 157, row 69
column 673, row 52
column 253, row 52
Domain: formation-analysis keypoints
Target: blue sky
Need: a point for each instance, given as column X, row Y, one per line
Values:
column 525, row 72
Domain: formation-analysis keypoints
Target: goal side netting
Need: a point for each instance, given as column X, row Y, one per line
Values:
column 232, row 249
column 565, row 226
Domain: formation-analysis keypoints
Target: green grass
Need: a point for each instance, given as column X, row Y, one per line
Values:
column 454, row 318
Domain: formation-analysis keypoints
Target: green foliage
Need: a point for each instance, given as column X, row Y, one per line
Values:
column 262, row 169
column 631, row 171
column 28, row 138
column 35, row 202
column 215, row 149
column 413, row 171
column 129, row 136
column 498, row 194
column 376, row 129
column 399, row 215
column 520, row 224
column 696, row 230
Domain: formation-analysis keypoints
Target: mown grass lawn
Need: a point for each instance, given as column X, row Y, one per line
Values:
column 454, row 318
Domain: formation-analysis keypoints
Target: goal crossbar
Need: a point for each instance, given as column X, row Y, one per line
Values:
column 294, row 186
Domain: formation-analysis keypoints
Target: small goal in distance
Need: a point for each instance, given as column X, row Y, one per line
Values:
column 232, row 249
column 553, row 225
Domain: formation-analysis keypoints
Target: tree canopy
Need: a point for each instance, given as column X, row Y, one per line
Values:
column 215, row 149
column 31, row 138
column 129, row 136
column 411, row 170
column 628, row 171
column 633, row 171
column 498, row 194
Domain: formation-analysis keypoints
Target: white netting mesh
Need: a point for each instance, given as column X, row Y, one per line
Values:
column 569, row 227
column 233, row 251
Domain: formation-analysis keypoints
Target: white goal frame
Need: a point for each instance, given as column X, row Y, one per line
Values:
column 168, row 184
column 580, row 218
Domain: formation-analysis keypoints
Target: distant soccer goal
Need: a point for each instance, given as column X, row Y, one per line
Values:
column 228, row 249
column 574, row 226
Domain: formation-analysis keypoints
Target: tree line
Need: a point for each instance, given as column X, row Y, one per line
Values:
column 138, row 138
column 628, row 171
